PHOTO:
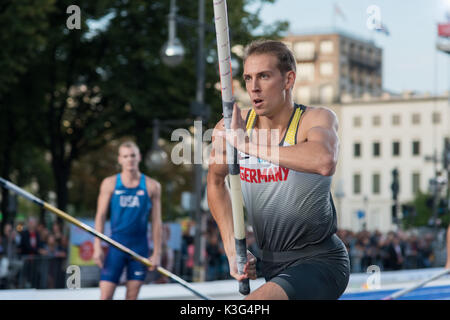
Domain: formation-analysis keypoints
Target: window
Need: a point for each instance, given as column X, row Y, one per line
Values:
column 304, row 94
column 357, row 183
column 326, row 94
column 415, row 118
column 376, row 183
column 326, row 46
column 396, row 148
column 376, row 121
column 305, row 71
column 376, row 149
column 416, row 148
column 357, row 122
column 357, row 150
column 396, row 119
column 415, row 182
column 436, row 118
column 304, row 50
column 326, row 68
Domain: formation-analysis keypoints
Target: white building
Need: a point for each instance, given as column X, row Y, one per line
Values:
column 377, row 136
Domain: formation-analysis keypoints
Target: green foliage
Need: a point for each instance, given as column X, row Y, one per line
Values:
column 422, row 212
column 23, row 24
column 65, row 94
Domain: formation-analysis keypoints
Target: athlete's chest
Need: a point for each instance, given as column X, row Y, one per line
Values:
column 126, row 198
column 255, row 170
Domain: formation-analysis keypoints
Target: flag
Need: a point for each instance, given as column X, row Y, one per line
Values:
column 338, row 11
column 382, row 28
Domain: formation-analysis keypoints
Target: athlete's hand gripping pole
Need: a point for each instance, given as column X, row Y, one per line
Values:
column 224, row 56
column 6, row 184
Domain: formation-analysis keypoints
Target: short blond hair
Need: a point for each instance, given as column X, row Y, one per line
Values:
column 129, row 144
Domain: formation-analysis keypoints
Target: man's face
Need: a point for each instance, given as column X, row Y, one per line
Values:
column 32, row 224
column 265, row 84
column 129, row 158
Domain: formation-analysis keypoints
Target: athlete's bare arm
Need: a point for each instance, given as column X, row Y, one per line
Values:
column 315, row 152
column 154, row 191
column 106, row 191
column 219, row 202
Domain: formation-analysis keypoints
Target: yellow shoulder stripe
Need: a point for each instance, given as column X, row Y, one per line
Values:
column 292, row 130
column 251, row 121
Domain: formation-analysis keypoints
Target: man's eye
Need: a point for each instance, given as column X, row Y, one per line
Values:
column 264, row 76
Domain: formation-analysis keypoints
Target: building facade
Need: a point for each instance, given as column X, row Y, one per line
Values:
column 377, row 136
column 330, row 65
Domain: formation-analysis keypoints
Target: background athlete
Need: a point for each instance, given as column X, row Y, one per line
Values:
column 130, row 197
column 286, row 179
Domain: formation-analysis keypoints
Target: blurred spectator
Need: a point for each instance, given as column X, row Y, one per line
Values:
column 187, row 241
column 356, row 254
column 30, row 240
column 60, row 238
column 9, row 241
column 167, row 256
column 43, row 232
column 214, row 252
column 391, row 251
column 52, row 261
column 396, row 253
column 425, row 252
column 52, row 248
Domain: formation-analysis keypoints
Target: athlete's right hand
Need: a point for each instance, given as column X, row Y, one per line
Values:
column 98, row 256
column 249, row 268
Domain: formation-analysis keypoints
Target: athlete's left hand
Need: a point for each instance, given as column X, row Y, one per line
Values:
column 155, row 261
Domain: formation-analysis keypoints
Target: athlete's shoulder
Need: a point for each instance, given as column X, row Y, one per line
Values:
column 153, row 186
column 108, row 184
column 317, row 116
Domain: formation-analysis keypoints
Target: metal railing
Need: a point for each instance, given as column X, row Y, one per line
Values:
column 33, row 271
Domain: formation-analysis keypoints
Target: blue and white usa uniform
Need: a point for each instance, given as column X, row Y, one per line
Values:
column 129, row 216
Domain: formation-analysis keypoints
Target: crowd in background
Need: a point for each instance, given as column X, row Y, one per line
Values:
column 37, row 247
column 32, row 255
column 390, row 251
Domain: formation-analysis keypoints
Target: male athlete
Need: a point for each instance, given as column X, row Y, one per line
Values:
column 130, row 197
column 285, row 176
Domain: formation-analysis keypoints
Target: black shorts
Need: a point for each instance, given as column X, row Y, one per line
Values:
column 321, row 277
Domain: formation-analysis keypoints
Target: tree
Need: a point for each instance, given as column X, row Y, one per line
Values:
column 23, row 24
column 87, row 87
column 419, row 212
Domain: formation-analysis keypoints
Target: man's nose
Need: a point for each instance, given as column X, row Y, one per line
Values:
column 255, row 85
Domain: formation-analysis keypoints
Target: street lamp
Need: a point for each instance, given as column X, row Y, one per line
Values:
column 198, row 107
column 172, row 52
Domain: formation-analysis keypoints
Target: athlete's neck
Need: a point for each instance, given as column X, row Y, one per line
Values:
column 130, row 175
column 279, row 118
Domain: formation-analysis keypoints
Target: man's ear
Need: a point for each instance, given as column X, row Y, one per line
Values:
column 290, row 79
